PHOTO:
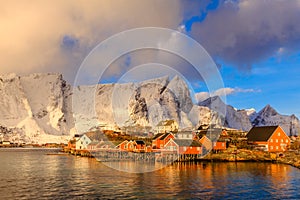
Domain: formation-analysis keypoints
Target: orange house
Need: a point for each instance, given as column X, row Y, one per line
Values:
column 123, row 145
column 269, row 138
column 206, row 143
column 136, row 146
column 219, row 146
column 160, row 140
column 72, row 144
column 140, row 146
column 183, row 146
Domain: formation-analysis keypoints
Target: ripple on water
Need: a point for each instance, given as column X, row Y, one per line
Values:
column 34, row 175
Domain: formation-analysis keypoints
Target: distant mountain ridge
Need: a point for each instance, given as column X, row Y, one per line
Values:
column 45, row 108
column 245, row 119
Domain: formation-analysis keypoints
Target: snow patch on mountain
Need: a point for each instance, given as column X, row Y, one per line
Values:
column 268, row 116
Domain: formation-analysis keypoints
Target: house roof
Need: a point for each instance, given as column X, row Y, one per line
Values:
column 212, row 134
column 157, row 136
column 164, row 136
column 106, row 143
column 140, row 142
column 96, row 135
column 262, row 133
column 94, row 143
column 187, row 143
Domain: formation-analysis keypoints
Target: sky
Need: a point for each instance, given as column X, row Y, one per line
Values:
column 254, row 43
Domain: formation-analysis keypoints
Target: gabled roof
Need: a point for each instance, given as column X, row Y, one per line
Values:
column 187, row 143
column 96, row 135
column 262, row 133
column 157, row 136
column 141, row 142
column 125, row 141
column 164, row 136
column 212, row 134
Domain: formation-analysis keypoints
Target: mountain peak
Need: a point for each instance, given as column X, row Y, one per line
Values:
column 268, row 110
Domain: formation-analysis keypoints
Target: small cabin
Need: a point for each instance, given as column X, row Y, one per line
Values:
column 183, row 146
column 268, row 138
column 167, row 126
column 160, row 139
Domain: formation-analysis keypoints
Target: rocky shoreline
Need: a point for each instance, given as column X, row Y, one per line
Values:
column 245, row 155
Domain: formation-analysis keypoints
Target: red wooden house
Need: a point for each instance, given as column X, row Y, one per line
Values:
column 160, row 140
column 134, row 146
column 183, row 146
column 123, row 145
column 140, row 146
column 206, row 143
column 219, row 145
column 268, row 138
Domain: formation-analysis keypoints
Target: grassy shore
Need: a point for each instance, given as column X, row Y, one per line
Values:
column 245, row 155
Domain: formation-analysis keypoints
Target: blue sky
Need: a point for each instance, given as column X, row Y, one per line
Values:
column 275, row 81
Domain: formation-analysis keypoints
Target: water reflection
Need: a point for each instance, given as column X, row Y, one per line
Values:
column 34, row 175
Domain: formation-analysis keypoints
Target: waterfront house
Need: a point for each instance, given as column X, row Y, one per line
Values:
column 72, row 144
column 132, row 145
column 83, row 142
column 185, row 135
column 92, row 145
column 105, row 145
column 160, row 139
column 167, row 126
column 219, row 145
column 123, row 145
column 140, row 146
column 6, row 143
column 183, row 146
column 206, row 143
column 268, row 138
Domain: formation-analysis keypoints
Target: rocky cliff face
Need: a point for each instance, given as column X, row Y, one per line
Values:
column 233, row 118
column 44, row 108
column 35, row 106
column 268, row 116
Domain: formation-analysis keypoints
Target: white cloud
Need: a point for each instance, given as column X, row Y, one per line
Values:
column 201, row 96
column 32, row 33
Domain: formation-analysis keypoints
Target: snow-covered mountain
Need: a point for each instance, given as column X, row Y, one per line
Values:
column 237, row 119
column 35, row 107
column 268, row 116
column 245, row 119
column 44, row 108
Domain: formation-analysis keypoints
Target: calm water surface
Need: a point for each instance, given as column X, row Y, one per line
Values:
column 31, row 174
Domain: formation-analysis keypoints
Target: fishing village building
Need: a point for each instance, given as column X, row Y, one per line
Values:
column 268, row 138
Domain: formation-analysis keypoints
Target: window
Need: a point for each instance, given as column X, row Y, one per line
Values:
column 271, row 140
column 184, row 148
column 281, row 140
column 286, row 140
column 277, row 147
column 198, row 148
column 271, row 147
column 223, row 145
column 278, row 133
column 276, row 140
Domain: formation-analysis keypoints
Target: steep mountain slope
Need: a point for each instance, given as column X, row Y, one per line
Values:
column 44, row 108
column 268, row 116
column 34, row 106
column 237, row 119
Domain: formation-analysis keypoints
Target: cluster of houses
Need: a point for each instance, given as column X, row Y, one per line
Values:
column 169, row 140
